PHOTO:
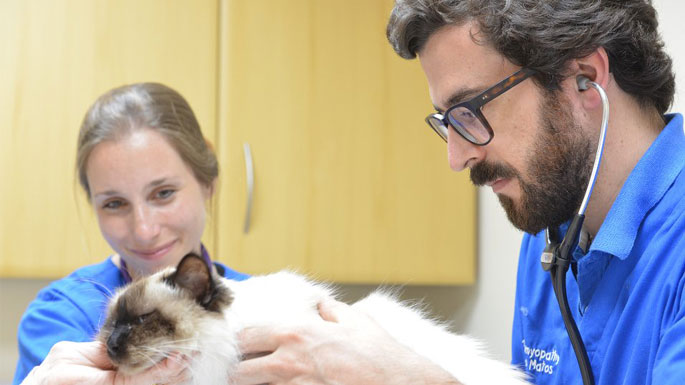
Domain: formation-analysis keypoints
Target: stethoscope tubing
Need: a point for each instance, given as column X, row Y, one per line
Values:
column 600, row 145
column 559, row 264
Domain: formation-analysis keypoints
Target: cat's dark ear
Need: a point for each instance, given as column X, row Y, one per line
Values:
column 194, row 275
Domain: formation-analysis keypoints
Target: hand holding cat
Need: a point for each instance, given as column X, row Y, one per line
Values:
column 87, row 363
column 344, row 347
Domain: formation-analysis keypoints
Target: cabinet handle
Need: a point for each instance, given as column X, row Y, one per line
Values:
column 249, row 170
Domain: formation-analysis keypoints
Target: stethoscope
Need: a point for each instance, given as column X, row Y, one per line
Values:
column 556, row 257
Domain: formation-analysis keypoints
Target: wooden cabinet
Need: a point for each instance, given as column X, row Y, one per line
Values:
column 350, row 184
column 57, row 57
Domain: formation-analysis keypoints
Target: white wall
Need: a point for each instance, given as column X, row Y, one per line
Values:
column 484, row 310
column 673, row 30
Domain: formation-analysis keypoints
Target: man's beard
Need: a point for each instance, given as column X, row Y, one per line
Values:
column 559, row 168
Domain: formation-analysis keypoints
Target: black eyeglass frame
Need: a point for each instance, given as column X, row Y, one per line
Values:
column 476, row 104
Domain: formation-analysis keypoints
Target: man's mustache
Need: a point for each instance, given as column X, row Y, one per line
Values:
column 484, row 172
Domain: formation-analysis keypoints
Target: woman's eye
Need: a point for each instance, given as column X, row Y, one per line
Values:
column 113, row 205
column 165, row 194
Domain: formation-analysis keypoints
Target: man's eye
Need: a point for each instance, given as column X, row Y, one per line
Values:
column 467, row 115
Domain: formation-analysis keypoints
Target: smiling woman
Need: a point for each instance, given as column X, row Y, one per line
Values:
column 148, row 172
column 148, row 215
column 153, row 215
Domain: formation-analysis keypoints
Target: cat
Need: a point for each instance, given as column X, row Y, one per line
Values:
column 192, row 309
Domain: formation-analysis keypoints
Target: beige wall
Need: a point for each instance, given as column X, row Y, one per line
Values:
column 484, row 310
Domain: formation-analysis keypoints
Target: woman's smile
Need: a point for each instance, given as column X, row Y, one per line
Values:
column 153, row 253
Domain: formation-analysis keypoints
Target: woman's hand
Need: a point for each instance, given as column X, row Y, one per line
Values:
column 87, row 363
column 346, row 347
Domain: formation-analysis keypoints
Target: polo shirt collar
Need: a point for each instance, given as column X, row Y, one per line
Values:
column 657, row 169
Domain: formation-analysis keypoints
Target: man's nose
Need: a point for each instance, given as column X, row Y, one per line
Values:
column 461, row 153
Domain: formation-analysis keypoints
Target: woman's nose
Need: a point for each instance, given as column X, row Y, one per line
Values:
column 145, row 224
column 461, row 153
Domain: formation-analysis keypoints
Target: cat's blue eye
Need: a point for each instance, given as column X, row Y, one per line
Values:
column 141, row 318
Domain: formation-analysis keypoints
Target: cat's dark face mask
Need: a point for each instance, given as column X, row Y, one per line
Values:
column 161, row 310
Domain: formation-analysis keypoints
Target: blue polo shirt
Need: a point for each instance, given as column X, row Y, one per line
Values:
column 72, row 309
column 628, row 297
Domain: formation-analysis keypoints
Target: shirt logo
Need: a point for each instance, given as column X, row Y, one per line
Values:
column 540, row 360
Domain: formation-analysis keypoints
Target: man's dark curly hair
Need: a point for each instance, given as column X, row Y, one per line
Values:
column 545, row 35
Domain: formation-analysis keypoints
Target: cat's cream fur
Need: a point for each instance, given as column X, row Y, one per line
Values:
column 276, row 299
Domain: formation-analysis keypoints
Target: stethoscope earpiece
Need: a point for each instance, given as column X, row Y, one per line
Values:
column 582, row 82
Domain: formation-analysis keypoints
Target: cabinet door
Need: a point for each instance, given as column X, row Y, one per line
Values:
column 57, row 57
column 350, row 184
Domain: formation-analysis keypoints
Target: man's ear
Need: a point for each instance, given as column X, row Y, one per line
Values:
column 594, row 67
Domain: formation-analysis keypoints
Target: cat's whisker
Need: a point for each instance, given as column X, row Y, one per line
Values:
column 108, row 293
column 155, row 350
column 172, row 346
column 178, row 343
column 152, row 361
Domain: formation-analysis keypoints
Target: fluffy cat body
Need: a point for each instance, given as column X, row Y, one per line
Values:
column 178, row 310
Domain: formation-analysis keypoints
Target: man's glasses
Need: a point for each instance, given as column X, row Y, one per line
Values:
column 467, row 118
